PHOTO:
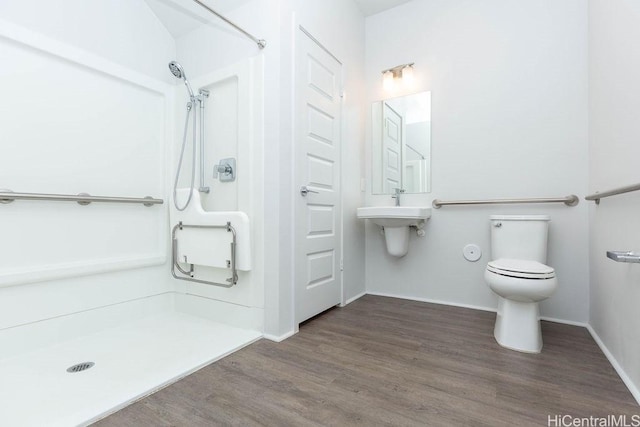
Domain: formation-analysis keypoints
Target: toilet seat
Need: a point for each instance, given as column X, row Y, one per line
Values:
column 520, row 268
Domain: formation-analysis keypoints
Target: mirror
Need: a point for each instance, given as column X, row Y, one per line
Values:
column 401, row 142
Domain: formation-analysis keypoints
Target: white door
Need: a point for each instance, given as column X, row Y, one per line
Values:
column 391, row 149
column 317, row 168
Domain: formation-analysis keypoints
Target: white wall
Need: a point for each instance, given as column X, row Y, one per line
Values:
column 87, row 111
column 614, row 102
column 509, row 119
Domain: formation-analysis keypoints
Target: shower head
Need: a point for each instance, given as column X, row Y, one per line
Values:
column 176, row 69
column 178, row 72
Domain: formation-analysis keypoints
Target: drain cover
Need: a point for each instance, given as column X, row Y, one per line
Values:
column 80, row 367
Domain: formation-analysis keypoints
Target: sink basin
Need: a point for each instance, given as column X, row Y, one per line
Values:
column 396, row 222
column 395, row 216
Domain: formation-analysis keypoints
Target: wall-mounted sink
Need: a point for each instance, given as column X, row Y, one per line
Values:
column 395, row 216
column 396, row 222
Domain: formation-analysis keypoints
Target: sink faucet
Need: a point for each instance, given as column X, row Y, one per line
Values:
column 396, row 196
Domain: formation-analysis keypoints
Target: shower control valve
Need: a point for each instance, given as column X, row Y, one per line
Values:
column 225, row 171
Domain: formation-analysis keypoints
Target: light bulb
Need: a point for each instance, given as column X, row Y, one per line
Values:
column 387, row 80
column 407, row 75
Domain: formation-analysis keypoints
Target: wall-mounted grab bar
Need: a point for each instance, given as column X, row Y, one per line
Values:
column 570, row 200
column 230, row 263
column 8, row 196
column 615, row 192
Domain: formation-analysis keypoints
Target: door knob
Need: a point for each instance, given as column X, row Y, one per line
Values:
column 304, row 191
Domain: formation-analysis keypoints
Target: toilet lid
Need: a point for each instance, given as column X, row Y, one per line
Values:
column 521, row 268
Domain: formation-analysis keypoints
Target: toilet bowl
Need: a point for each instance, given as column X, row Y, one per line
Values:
column 518, row 276
column 520, row 285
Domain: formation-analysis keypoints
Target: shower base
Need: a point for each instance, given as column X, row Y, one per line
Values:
column 132, row 359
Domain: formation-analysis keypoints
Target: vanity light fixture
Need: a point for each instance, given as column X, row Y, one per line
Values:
column 403, row 71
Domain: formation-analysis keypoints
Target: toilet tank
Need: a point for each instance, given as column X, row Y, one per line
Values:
column 519, row 237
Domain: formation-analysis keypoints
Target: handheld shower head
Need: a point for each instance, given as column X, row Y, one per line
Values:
column 177, row 70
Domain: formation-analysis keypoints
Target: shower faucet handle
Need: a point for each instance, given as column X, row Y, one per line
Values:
column 225, row 170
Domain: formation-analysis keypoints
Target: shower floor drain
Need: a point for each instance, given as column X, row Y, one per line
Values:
column 80, row 367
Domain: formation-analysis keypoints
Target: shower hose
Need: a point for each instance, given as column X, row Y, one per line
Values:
column 193, row 160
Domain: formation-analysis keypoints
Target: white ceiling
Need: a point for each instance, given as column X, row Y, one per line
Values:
column 183, row 16
column 371, row 7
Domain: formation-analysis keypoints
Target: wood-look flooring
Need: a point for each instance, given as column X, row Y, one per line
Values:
column 384, row 361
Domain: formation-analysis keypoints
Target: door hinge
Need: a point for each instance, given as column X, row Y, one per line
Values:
column 341, row 265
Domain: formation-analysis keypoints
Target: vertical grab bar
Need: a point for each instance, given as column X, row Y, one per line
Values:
column 233, row 280
column 203, row 94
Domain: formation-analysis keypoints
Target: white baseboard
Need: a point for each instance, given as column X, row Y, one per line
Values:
column 280, row 338
column 472, row 307
column 565, row 322
column 635, row 392
column 352, row 299
column 432, row 301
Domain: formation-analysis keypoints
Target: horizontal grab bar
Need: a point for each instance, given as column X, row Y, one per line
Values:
column 8, row 196
column 597, row 196
column 570, row 200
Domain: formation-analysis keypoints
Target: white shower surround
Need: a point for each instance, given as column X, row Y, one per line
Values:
column 61, row 240
column 101, row 292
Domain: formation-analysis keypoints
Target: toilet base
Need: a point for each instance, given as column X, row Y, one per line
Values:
column 518, row 326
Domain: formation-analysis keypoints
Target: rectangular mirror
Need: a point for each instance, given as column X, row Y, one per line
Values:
column 401, row 144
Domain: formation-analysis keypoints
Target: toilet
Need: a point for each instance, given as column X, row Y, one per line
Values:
column 520, row 278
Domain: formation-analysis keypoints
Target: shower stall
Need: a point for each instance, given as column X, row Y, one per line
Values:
column 114, row 179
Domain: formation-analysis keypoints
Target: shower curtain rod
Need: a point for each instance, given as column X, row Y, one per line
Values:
column 260, row 42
